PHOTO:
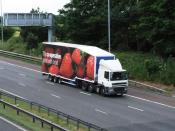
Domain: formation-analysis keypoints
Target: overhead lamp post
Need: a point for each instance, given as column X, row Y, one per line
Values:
column 109, row 27
column 1, row 25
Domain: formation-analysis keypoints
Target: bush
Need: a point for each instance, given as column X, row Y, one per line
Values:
column 153, row 67
column 133, row 63
column 32, row 41
column 167, row 74
column 148, row 67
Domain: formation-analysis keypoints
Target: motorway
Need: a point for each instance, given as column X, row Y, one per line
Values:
column 6, row 125
column 139, row 110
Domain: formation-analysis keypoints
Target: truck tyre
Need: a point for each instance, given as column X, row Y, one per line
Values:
column 78, row 84
column 55, row 80
column 84, row 86
column 50, row 78
column 59, row 80
column 102, row 91
column 91, row 88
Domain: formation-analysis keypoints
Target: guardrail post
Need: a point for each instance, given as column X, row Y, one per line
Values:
column 89, row 128
column 4, row 105
column 51, row 128
column 67, row 120
column 33, row 119
column 17, row 111
column 42, row 124
column 78, row 124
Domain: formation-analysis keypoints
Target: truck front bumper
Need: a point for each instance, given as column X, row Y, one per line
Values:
column 116, row 91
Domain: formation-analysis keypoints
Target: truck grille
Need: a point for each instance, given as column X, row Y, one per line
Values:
column 122, row 83
column 117, row 85
column 119, row 89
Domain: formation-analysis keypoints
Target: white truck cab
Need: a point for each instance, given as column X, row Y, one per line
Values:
column 112, row 77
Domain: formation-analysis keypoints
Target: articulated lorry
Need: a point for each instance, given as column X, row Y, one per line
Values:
column 87, row 67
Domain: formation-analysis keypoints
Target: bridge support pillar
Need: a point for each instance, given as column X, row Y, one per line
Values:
column 50, row 34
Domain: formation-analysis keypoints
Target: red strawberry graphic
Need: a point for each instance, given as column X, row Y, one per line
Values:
column 90, row 67
column 76, row 56
column 54, row 70
column 80, row 71
column 66, row 66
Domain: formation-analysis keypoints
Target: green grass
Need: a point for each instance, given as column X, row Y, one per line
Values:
column 141, row 66
column 22, row 119
column 148, row 67
column 40, row 112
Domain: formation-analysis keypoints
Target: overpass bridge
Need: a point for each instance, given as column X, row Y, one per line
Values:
column 30, row 19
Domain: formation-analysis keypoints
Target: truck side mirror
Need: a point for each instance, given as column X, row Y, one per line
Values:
column 106, row 75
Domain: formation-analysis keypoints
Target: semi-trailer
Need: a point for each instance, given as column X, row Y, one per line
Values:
column 87, row 67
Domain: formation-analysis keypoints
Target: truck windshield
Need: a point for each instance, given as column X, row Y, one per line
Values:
column 118, row 76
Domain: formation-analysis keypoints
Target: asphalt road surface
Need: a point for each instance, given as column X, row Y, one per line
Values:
column 137, row 111
column 6, row 125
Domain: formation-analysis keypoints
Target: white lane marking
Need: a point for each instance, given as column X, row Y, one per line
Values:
column 147, row 85
column 21, row 84
column 56, row 96
column 135, row 108
column 103, row 112
column 1, row 68
column 50, row 83
column 13, row 124
column 154, row 102
column 90, row 94
column 85, row 93
column 23, row 75
column 12, row 93
column 21, row 67
column 173, row 96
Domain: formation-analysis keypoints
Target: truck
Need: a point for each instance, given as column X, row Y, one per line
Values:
column 87, row 67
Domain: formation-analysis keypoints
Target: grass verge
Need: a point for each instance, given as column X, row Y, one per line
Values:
column 26, row 121
column 147, row 67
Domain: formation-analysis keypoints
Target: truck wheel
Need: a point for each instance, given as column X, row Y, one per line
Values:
column 91, row 88
column 50, row 78
column 55, row 80
column 84, row 86
column 78, row 84
column 102, row 91
column 59, row 80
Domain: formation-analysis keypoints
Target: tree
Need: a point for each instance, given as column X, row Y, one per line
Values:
column 156, row 26
column 82, row 21
column 39, row 33
column 141, row 25
column 32, row 41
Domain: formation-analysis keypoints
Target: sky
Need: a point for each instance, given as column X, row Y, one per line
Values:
column 25, row 6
